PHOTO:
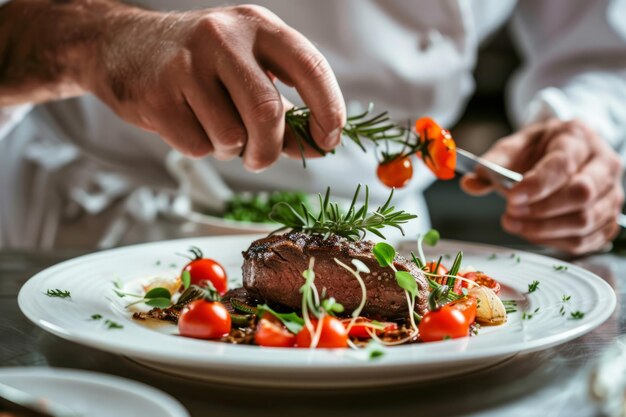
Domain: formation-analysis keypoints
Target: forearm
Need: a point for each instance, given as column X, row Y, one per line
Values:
column 47, row 47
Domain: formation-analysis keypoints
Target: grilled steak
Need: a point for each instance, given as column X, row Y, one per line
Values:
column 273, row 266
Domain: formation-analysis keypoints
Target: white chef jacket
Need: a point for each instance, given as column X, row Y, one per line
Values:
column 411, row 57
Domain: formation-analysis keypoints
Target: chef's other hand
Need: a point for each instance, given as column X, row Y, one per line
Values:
column 204, row 81
column 571, row 193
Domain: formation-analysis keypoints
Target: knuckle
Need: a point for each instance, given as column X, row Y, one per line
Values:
column 620, row 196
column 583, row 190
column 231, row 137
column 315, row 66
column 564, row 163
column 575, row 127
column 213, row 27
column 267, row 109
column 578, row 245
column 615, row 164
column 252, row 11
column 585, row 221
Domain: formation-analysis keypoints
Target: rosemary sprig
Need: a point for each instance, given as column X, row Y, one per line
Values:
column 352, row 224
column 358, row 128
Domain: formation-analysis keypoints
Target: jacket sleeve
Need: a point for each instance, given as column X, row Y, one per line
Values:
column 574, row 55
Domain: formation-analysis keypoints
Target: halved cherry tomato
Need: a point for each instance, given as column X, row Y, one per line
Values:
column 395, row 173
column 203, row 319
column 440, row 152
column 333, row 334
column 360, row 328
column 446, row 322
column 481, row 279
column 467, row 306
column 270, row 332
column 204, row 269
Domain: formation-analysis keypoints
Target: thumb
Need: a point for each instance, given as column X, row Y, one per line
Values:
column 472, row 184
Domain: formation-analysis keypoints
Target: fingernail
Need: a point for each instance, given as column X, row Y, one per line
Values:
column 513, row 226
column 332, row 139
column 519, row 199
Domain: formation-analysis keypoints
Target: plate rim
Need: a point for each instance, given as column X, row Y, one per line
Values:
column 227, row 362
column 162, row 399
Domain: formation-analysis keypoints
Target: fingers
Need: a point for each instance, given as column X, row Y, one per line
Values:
column 580, row 223
column 474, row 185
column 180, row 128
column 295, row 147
column 585, row 244
column 591, row 182
column 294, row 60
column 260, row 106
column 564, row 155
column 219, row 118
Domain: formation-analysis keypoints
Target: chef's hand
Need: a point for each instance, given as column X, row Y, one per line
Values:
column 204, row 81
column 571, row 194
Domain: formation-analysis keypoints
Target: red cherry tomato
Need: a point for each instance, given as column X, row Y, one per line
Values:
column 467, row 306
column 333, row 334
column 203, row 319
column 440, row 153
column 204, row 269
column 395, row 173
column 446, row 322
column 360, row 328
column 482, row 279
column 270, row 332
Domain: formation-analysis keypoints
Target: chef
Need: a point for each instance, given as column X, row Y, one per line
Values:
column 95, row 94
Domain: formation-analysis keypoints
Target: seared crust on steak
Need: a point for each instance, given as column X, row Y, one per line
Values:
column 273, row 266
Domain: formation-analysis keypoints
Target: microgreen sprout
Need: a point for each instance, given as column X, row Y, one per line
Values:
column 528, row 316
column 110, row 324
column 156, row 297
column 385, row 254
column 58, row 293
column 577, row 315
column 533, row 286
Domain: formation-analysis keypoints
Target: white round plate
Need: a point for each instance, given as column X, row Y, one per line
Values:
column 92, row 394
column 89, row 279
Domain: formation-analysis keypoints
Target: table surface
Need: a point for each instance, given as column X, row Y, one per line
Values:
column 553, row 382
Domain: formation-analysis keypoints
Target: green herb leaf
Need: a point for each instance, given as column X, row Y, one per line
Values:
column 58, row 293
column 110, row 324
column 384, row 253
column 186, row 278
column 560, row 268
column 533, row 286
column 406, row 281
column 158, row 292
column 292, row 321
column 577, row 315
column 159, row 302
column 96, row 316
column 332, row 306
column 431, row 238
